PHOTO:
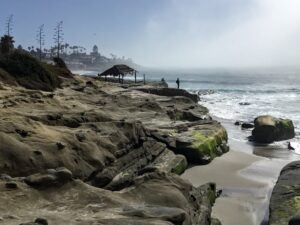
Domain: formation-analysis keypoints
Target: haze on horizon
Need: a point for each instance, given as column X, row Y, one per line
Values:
column 169, row 33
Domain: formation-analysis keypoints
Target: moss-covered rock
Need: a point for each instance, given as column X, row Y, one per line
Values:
column 268, row 129
column 202, row 143
column 169, row 162
column 285, row 199
column 180, row 164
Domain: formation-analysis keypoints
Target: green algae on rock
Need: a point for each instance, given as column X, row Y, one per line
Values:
column 203, row 143
column 285, row 199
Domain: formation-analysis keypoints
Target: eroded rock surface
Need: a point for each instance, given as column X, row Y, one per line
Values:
column 154, row 198
column 285, row 199
column 101, row 125
column 125, row 142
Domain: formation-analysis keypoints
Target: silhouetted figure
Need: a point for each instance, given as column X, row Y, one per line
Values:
column 178, row 82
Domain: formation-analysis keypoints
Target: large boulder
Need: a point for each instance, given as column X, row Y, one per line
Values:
column 268, row 129
column 285, row 199
column 201, row 144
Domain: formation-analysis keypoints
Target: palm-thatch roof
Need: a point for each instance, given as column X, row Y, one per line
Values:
column 117, row 70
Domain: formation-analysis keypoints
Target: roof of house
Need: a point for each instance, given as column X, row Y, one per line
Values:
column 117, row 70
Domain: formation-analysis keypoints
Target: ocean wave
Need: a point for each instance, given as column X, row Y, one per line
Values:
column 227, row 105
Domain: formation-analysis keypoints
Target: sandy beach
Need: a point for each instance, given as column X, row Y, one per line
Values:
column 245, row 178
column 225, row 172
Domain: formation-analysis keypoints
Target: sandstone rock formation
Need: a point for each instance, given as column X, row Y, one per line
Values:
column 154, row 198
column 120, row 148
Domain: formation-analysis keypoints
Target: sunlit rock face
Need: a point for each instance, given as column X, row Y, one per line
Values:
column 104, row 150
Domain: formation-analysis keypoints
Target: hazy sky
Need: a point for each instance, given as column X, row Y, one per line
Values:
column 169, row 33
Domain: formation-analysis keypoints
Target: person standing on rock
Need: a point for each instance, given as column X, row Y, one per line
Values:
column 177, row 82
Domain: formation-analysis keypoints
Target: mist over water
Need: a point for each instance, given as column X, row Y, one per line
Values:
column 219, row 33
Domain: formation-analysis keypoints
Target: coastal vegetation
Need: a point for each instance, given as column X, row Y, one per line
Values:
column 22, row 68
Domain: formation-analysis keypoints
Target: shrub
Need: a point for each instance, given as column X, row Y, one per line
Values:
column 29, row 72
column 59, row 62
column 5, row 77
column 60, row 68
column 6, row 44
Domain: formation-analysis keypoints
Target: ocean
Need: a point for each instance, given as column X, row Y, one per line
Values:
column 243, row 95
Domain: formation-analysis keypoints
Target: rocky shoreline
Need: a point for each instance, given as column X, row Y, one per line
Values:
column 106, row 153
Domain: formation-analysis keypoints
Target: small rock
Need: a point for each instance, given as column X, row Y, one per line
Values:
column 37, row 152
column 53, row 177
column 238, row 123
column 22, row 133
column 247, row 125
column 80, row 136
column 89, row 83
column 10, row 217
column 218, row 193
column 79, row 88
column 50, row 95
column 63, row 174
column 5, row 177
column 41, row 221
column 54, row 117
column 51, row 171
column 294, row 146
column 244, row 103
column 60, row 146
column 41, row 180
column 215, row 221
column 295, row 220
column 11, row 185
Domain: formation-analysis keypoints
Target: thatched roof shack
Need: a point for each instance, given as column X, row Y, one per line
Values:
column 119, row 70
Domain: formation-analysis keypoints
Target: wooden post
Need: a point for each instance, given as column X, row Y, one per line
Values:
column 134, row 76
column 105, row 78
column 144, row 79
column 122, row 78
column 119, row 78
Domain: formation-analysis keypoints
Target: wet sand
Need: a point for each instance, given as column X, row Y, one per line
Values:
column 246, row 175
column 235, row 204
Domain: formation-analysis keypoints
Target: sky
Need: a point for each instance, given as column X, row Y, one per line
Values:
column 168, row 33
